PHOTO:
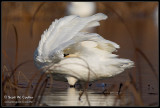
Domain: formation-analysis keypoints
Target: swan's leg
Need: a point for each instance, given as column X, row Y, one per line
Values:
column 90, row 85
column 80, row 94
column 120, row 86
column 71, row 81
column 83, row 88
column 106, row 91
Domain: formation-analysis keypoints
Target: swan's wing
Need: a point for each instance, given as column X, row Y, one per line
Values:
column 61, row 31
column 95, row 52
column 102, row 43
column 100, row 59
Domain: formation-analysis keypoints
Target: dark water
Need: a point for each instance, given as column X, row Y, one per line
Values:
column 70, row 97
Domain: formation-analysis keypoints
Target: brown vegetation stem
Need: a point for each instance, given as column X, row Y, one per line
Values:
column 33, row 20
column 13, row 71
column 16, row 57
column 35, row 90
column 45, row 84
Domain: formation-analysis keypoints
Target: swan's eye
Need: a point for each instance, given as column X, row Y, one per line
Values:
column 65, row 55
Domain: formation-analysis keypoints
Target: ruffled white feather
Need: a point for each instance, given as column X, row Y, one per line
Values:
column 62, row 31
column 93, row 54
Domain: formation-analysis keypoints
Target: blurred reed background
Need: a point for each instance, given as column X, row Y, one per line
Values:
column 132, row 25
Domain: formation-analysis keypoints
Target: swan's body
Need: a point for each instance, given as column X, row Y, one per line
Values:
column 88, row 56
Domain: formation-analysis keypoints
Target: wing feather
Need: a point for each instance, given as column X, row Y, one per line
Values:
column 60, row 32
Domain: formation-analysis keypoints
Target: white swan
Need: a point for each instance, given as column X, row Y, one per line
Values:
column 73, row 55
